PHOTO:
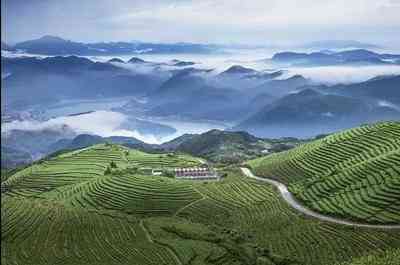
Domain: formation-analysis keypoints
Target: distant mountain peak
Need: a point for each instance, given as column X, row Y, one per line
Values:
column 238, row 69
column 358, row 52
column 182, row 63
column 352, row 56
column 297, row 77
column 116, row 60
column 339, row 44
column 50, row 38
column 214, row 131
column 136, row 60
column 307, row 93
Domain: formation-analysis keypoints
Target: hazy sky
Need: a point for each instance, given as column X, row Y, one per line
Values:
column 219, row 21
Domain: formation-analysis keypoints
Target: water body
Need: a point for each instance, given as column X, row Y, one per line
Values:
column 68, row 107
column 187, row 127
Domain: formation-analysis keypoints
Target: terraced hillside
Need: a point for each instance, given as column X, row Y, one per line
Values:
column 85, row 165
column 94, row 206
column 43, row 232
column 354, row 174
column 246, row 205
column 70, row 210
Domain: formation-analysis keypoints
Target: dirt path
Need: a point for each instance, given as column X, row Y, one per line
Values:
column 150, row 239
column 289, row 198
column 187, row 206
column 145, row 231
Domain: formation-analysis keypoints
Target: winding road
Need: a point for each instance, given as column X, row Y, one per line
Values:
column 289, row 198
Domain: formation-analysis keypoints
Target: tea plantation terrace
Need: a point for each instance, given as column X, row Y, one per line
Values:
column 352, row 175
column 95, row 206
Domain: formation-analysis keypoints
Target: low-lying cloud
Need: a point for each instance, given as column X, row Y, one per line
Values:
column 343, row 74
column 102, row 123
column 387, row 104
column 109, row 123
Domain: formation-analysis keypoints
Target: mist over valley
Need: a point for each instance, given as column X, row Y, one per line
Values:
column 155, row 98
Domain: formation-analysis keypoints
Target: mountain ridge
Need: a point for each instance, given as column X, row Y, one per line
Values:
column 54, row 45
column 356, row 56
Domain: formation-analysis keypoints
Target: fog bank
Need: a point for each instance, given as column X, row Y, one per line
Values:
column 102, row 123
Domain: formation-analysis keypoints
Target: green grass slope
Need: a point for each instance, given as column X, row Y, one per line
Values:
column 354, row 174
column 66, row 210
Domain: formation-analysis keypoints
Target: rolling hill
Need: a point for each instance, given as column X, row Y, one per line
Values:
column 70, row 209
column 228, row 147
column 215, row 145
column 86, row 140
column 354, row 174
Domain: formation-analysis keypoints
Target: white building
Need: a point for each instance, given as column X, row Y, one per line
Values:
column 195, row 173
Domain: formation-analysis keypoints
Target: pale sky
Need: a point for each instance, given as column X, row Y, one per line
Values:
column 204, row 21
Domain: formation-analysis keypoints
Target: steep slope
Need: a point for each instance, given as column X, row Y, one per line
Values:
column 354, row 174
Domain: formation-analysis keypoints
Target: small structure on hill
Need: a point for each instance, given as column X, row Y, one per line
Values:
column 195, row 173
column 156, row 172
